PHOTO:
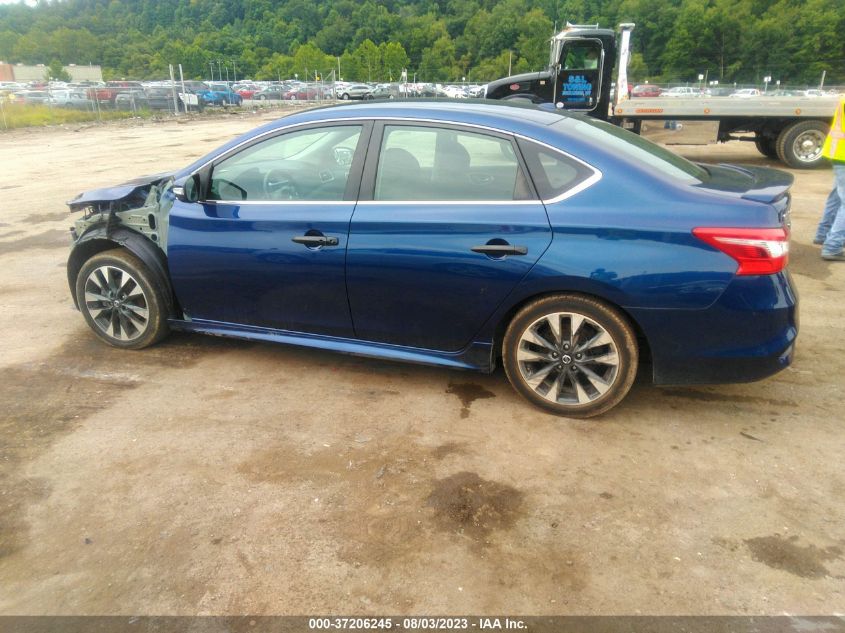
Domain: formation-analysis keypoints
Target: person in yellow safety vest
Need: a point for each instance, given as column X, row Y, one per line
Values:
column 831, row 231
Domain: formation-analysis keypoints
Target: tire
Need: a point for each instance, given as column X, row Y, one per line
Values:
column 767, row 146
column 587, row 379
column 345, row 96
column 140, row 295
column 262, row 98
column 799, row 144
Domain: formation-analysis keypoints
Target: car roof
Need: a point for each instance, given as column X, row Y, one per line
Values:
column 508, row 116
column 528, row 120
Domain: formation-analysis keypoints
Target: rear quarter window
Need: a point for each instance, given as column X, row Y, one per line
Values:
column 553, row 173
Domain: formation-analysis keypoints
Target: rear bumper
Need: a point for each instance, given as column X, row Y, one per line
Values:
column 748, row 334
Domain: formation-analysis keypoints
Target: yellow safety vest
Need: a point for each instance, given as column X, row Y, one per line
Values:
column 834, row 144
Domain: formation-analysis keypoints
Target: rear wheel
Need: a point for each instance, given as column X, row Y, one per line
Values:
column 799, row 144
column 121, row 300
column 571, row 355
column 345, row 97
column 767, row 146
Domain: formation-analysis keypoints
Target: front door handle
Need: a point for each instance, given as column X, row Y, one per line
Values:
column 315, row 240
column 500, row 250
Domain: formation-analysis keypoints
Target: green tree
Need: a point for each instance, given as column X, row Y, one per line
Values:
column 56, row 72
column 394, row 59
column 368, row 59
column 309, row 61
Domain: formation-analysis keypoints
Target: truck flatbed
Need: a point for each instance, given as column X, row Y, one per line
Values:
column 702, row 108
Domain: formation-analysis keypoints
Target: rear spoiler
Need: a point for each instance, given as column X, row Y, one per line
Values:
column 770, row 185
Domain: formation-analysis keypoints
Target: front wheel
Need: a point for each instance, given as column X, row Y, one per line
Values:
column 121, row 300
column 345, row 97
column 570, row 354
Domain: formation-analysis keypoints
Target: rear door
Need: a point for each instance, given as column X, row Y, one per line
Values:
column 446, row 225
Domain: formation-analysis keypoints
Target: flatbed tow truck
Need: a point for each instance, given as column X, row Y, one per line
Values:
column 579, row 78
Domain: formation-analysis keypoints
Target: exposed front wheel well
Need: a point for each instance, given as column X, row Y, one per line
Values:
column 504, row 322
column 141, row 247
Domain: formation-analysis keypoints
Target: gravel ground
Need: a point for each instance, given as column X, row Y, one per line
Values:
column 209, row 476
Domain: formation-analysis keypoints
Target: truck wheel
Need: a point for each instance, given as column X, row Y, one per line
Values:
column 767, row 146
column 799, row 144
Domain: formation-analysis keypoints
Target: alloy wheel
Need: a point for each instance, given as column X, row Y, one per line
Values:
column 117, row 303
column 568, row 358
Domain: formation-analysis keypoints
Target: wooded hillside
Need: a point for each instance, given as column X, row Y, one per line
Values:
column 437, row 40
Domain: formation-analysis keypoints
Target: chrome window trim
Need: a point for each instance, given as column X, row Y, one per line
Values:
column 589, row 182
column 379, row 202
column 282, row 202
column 452, row 202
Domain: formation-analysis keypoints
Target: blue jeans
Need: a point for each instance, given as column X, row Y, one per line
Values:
column 832, row 226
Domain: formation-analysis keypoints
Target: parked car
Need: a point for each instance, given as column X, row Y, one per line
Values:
column 271, row 92
column 746, row 93
column 220, row 95
column 307, row 92
column 78, row 100
column 681, row 91
column 384, row 91
column 148, row 99
column 247, row 93
column 646, row 90
column 354, row 91
column 479, row 232
column 107, row 93
column 31, row 97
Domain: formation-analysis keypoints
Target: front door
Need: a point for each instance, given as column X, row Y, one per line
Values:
column 446, row 225
column 267, row 245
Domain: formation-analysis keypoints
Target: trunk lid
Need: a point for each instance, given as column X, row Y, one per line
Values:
column 758, row 184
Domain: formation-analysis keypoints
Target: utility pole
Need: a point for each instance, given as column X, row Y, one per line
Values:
column 821, row 83
column 173, row 91
column 510, row 59
column 184, row 92
column 234, row 72
column 211, row 64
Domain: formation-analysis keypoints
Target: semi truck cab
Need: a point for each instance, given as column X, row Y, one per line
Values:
column 578, row 76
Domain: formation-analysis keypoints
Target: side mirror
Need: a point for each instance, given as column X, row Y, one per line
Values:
column 190, row 191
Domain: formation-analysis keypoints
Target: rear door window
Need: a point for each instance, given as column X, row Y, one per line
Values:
column 436, row 163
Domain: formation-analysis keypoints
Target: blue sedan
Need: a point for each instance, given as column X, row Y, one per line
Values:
column 462, row 235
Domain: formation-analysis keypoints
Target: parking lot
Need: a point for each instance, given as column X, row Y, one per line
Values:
column 216, row 476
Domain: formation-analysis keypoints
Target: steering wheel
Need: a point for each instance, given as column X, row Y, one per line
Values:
column 278, row 185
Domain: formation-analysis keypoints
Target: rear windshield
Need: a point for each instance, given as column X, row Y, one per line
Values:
column 627, row 144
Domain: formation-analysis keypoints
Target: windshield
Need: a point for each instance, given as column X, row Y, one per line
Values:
column 623, row 143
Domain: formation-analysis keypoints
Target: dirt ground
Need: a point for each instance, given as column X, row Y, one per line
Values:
column 208, row 476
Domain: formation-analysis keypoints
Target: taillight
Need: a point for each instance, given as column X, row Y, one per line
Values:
column 757, row 251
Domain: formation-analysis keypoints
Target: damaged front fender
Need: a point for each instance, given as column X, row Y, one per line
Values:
column 133, row 215
column 141, row 205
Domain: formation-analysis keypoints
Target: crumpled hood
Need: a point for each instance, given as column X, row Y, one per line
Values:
column 117, row 192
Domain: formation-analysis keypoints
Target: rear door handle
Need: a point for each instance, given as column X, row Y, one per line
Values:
column 499, row 250
column 315, row 240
